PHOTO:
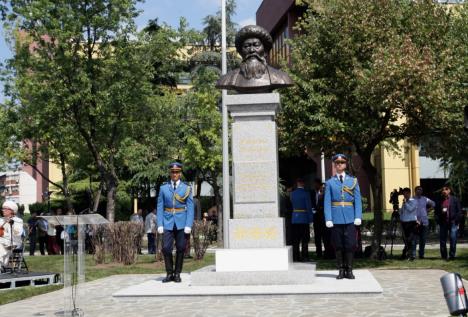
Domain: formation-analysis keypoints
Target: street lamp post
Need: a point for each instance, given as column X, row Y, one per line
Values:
column 226, row 200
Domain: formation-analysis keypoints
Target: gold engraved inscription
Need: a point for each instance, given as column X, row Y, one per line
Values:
column 256, row 233
column 257, row 146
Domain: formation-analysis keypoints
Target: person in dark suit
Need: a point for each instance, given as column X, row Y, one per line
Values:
column 286, row 212
column 319, row 217
column 448, row 215
column 302, row 216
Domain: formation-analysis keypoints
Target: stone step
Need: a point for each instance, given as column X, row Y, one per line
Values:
column 297, row 274
column 253, row 259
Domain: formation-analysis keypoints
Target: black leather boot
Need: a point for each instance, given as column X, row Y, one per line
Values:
column 340, row 265
column 349, row 265
column 178, row 266
column 168, row 262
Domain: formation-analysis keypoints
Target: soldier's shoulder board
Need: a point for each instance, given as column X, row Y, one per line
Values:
column 186, row 184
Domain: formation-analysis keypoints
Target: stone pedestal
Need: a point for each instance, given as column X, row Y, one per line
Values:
column 257, row 254
column 254, row 155
column 256, row 223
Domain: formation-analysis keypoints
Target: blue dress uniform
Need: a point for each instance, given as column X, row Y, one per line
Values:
column 175, row 212
column 342, row 205
column 301, row 217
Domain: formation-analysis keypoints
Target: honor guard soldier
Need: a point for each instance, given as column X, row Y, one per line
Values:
column 175, row 219
column 302, row 216
column 343, row 211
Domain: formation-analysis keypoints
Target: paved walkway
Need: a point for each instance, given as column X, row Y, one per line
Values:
column 406, row 293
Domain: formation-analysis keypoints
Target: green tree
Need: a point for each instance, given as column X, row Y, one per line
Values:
column 212, row 27
column 368, row 74
column 84, row 63
column 448, row 142
column 159, row 138
column 202, row 149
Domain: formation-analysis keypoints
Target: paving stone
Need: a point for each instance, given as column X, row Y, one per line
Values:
column 407, row 293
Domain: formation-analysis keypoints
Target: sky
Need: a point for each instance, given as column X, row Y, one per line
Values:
column 170, row 11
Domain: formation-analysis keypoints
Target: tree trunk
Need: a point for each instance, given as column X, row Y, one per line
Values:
column 199, row 182
column 96, row 199
column 65, row 190
column 111, row 193
column 375, row 180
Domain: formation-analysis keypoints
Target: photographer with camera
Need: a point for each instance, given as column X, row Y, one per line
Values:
column 394, row 199
column 409, row 223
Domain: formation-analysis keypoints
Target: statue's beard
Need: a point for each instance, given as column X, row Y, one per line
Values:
column 254, row 66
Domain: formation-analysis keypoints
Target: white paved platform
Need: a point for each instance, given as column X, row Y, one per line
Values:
column 325, row 283
column 408, row 293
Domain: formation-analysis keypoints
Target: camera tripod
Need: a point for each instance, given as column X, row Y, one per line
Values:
column 392, row 230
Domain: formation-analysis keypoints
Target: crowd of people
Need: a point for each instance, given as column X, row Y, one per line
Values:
column 414, row 218
column 49, row 236
column 412, row 215
column 38, row 231
column 333, row 208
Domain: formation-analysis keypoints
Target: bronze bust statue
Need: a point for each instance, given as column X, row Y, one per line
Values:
column 254, row 75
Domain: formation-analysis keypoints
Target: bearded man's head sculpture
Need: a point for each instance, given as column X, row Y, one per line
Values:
column 254, row 75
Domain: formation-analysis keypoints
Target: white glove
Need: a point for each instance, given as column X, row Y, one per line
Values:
column 357, row 222
column 160, row 230
column 314, row 210
column 329, row 224
column 187, row 230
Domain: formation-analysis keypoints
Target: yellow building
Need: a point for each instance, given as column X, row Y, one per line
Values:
column 398, row 168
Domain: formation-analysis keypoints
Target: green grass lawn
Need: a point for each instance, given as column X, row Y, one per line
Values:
column 147, row 265
column 432, row 260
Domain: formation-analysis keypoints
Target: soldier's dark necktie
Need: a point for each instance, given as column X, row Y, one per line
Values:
column 175, row 186
column 341, row 178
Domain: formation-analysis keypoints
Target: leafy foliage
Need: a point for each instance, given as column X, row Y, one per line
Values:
column 82, row 66
column 212, row 27
column 368, row 74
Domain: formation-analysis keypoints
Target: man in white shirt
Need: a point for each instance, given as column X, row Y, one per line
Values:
column 150, row 229
column 409, row 223
column 423, row 203
column 12, row 231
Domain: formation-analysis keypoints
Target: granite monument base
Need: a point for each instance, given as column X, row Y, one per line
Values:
column 296, row 274
column 260, row 259
column 325, row 283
